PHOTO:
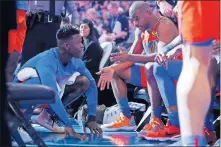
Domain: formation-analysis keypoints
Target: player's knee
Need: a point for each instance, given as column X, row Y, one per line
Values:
column 115, row 76
column 83, row 82
column 119, row 74
column 149, row 71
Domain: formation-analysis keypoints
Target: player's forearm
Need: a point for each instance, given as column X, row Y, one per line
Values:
column 177, row 41
column 91, row 92
column 120, row 35
column 92, row 95
column 142, row 58
column 60, row 111
column 121, row 66
column 178, row 49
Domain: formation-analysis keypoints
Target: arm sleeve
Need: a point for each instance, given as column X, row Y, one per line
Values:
column 91, row 92
column 47, row 74
column 177, row 41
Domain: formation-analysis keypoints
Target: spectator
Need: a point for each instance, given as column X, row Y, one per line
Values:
column 125, row 5
column 92, row 15
column 131, row 37
column 92, row 51
column 118, row 24
column 166, row 9
column 103, row 26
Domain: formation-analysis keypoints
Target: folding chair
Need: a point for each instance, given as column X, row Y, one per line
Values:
column 32, row 95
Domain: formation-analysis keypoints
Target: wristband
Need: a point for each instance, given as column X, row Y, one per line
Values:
column 91, row 118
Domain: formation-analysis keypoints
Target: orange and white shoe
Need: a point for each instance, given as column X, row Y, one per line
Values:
column 168, row 133
column 210, row 136
column 121, row 124
column 154, row 125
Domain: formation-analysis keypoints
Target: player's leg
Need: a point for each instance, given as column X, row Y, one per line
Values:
column 74, row 91
column 165, row 81
column 155, row 124
column 194, row 93
column 120, row 92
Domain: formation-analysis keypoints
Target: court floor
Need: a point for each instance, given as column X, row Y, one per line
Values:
column 107, row 138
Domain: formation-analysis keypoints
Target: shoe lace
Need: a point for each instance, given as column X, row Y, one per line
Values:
column 119, row 120
column 152, row 123
column 54, row 120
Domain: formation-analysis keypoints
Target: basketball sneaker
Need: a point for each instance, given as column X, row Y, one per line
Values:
column 168, row 133
column 121, row 124
column 154, row 125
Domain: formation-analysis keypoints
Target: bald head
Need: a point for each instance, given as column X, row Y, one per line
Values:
column 138, row 6
column 141, row 15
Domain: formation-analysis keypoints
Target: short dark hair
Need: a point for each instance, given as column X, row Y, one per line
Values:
column 67, row 31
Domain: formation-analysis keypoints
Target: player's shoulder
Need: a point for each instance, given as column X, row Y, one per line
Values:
column 48, row 58
column 48, row 55
column 166, row 22
column 166, row 25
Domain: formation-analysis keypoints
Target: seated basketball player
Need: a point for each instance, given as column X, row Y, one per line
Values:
column 54, row 67
column 165, row 74
column 159, row 31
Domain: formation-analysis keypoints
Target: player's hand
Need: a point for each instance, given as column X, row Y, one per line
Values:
column 172, row 54
column 176, row 9
column 121, row 56
column 106, row 75
column 160, row 58
column 166, row 9
column 69, row 131
column 94, row 128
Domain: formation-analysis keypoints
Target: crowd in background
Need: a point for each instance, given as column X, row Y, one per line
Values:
column 100, row 14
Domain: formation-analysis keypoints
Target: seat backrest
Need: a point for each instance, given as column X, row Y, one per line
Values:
column 107, row 49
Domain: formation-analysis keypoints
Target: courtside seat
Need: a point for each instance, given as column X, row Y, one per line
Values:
column 27, row 94
column 141, row 93
column 107, row 49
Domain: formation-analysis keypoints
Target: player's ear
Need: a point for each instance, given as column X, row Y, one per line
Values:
column 66, row 46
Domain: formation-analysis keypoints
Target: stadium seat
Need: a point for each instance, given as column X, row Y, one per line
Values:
column 141, row 93
column 107, row 49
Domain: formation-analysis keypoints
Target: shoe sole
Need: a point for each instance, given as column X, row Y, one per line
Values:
column 119, row 129
column 174, row 138
column 45, row 126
